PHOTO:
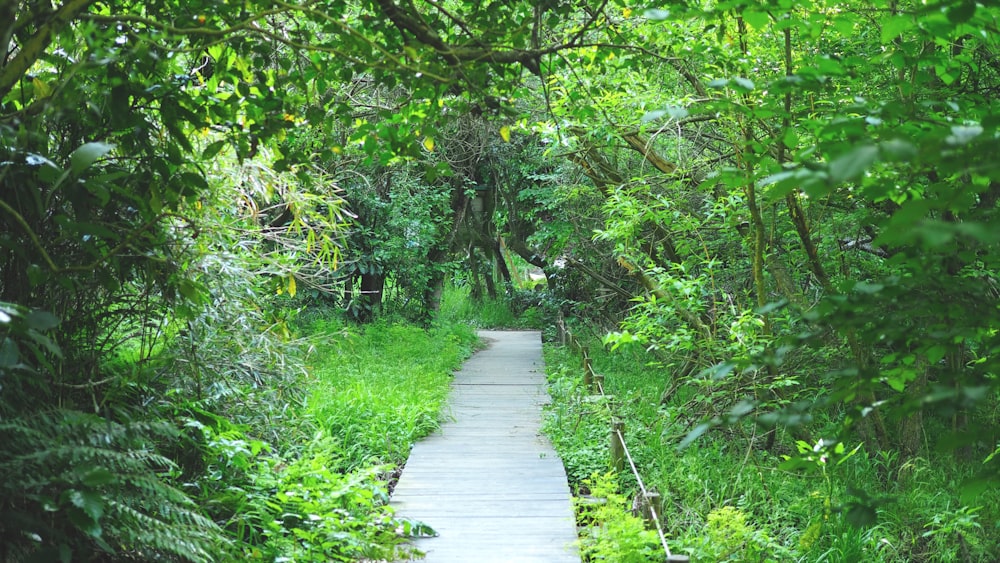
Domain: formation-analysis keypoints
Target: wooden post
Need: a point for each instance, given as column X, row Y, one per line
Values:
column 598, row 382
column 617, row 445
column 588, row 371
column 652, row 509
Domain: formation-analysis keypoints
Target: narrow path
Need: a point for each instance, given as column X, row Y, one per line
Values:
column 488, row 482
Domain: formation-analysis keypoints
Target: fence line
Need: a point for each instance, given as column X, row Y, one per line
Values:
column 619, row 449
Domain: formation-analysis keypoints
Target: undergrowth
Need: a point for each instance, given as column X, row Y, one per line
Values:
column 523, row 309
column 726, row 498
column 292, row 464
column 379, row 388
column 373, row 390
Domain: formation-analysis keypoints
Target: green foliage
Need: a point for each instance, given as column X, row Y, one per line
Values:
column 457, row 307
column 796, row 214
column 317, row 488
column 318, row 513
column 577, row 424
column 953, row 530
column 727, row 477
column 612, row 533
column 76, row 484
column 728, row 530
column 379, row 390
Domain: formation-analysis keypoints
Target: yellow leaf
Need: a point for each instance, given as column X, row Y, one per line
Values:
column 429, row 144
column 505, row 134
column 291, row 286
column 627, row 12
column 42, row 89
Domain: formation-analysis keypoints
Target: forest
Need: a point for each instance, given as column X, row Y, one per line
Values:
column 244, row 243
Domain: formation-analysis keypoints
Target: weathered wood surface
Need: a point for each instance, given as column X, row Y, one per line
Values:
column 488, row 482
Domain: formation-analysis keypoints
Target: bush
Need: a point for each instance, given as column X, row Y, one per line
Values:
column 613, row 533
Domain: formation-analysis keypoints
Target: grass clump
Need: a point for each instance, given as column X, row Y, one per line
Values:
column 378, row 388
column 523, row 310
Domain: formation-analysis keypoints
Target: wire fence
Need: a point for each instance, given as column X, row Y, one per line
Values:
column 651, row 502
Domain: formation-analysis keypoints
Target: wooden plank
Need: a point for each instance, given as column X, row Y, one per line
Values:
column 430, row 510
column 488, row 482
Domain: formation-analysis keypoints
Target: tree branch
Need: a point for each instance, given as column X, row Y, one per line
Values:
column 33, row 48
column 601, row 278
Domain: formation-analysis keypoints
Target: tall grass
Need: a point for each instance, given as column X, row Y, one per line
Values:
column 379, row 388
column 457, row 306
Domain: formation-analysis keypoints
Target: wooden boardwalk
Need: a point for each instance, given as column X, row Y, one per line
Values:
column 488, row 482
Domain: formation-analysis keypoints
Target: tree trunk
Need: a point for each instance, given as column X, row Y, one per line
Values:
column 491, row 286
column 476, row 293
column 912, row 427
column 439, row 252
column 501, row 261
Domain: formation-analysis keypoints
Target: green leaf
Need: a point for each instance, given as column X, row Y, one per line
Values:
column 897, row 150
column 852, row 163
column 193, row 182
column 93, row 504
column 962, row 134
column 862, row 515
column 901, row 225
column 98, row 477
column 790, row 138
column 653, row 115
column 41, row 320
column 36, row 274
column 772, row 306
column 740, row 410
column 972, row 489
column 896, row 383
column 694, row 434
column 844, row 24
column 87, row 154
column 894, row 26
column 719, row 371
column 962, row 12
column 212, row 150
column 936, row 353
column 744, row 83
column 8, row 354
column 758, row 20
column 868, row 288
column 192, row 291
column 46, row 342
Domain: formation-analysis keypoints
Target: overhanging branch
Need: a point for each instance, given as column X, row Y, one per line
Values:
column 33, row 48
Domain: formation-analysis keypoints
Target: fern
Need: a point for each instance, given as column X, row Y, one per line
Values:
column 74, row 484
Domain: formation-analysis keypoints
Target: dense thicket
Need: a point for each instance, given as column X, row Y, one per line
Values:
column 791, row 206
